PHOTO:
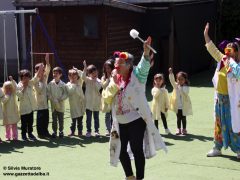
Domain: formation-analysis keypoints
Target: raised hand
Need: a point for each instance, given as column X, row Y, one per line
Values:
column 10, row 78
column 145, row 47
column 226, row 61
column 47, row 58
column 74, row 68
column 170, row 70
column 84, row 64
column 114, row 75
column 206, row 36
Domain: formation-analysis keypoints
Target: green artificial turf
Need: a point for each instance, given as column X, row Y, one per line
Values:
column 88, row 158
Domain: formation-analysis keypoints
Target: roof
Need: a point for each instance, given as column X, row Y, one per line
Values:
column 113, row 3
column 133, row 5
column 161, row 1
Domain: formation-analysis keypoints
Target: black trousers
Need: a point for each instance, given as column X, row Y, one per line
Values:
column 77, row 121
column 27, row 123
column 42, row 122
column 181, row 120
column 133, row 133
column 164, row 120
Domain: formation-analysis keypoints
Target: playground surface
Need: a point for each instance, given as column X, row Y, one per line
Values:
column 84, row 158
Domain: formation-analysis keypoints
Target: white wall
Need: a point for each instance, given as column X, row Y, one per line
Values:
column 10, row 30
column 10, row 39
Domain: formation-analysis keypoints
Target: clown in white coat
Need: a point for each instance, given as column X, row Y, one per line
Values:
column 132, row 117
column 227, row 97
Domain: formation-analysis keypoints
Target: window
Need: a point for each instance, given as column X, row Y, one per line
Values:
column 90, row 26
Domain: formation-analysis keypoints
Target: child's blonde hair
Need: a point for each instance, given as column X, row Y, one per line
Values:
column 7, row 84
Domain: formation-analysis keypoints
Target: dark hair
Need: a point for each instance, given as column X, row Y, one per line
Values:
column 91, row 68
column 114, row 134
column 185, row 76
column 110, row 63
column 161, row 77
column 233, row 45
column 24, row 73
column 130, row 59
column 37, row 66
column 58, row 69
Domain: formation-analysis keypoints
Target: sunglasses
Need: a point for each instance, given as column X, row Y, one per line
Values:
column 228, row 51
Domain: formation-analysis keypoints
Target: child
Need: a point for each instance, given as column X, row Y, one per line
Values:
column 41, row 98
column 1, row 115
column 10, row 109
column 107, row 70
column 93, row 97
column 180, row 101
column 27, row 101
column 160, row 103
column 76, row 100
column 57, row 93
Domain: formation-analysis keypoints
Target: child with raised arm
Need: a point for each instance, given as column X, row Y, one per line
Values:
column 107, row 70
column 10, row 109
column 160, row 103
column 180, row 101
column 27, row 101
column 57, row 94
column 76, row 100
column 42, row 100
column 93, row 97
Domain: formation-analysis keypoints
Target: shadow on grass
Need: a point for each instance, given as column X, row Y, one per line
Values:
column 188, row 137
column 232, row 158
column 168, row 143
column 70, row 142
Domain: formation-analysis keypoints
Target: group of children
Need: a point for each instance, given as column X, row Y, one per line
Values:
column 33, row 95
column 179, row 101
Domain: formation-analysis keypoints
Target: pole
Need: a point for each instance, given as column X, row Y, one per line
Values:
column 5, row 49
column 31, row 42
column 16, row 31
column 4, row 13
column 31, row 11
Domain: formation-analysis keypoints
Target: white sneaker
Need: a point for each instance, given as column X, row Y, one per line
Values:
column 214, row 152
column 167, row 131
column 97, row 134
